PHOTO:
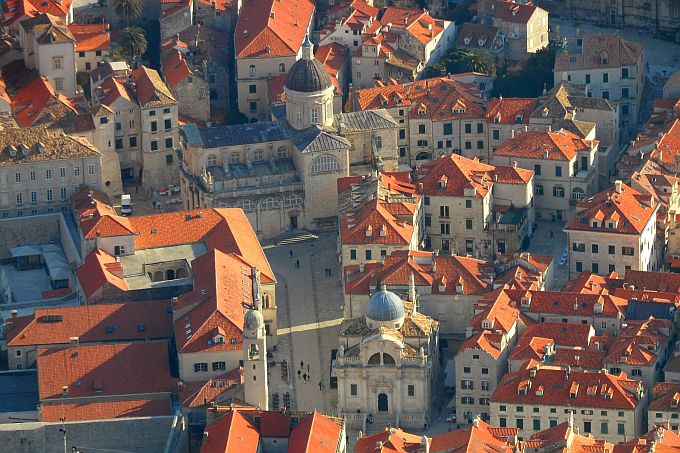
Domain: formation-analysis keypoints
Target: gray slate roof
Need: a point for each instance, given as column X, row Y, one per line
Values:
column 314, row 140
column 240, row 134
column 367, row 120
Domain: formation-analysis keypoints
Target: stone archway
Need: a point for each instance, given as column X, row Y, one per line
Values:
column 383, row 404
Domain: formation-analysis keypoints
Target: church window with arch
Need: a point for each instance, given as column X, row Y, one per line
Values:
column 292, row 201
column 246, row 205
column 325, row 164
column 269, row 204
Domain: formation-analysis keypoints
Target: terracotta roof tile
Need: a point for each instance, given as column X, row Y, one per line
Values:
column 614, row 392
column 100, row 269
column 231, row 433
column 561, row 145
column 14, row 10
column 576, row 304
column 151, row 90
column 202, row 393
column 316, row 433
column 624, row 211
column 375, row 224
column 37, row 101
column 600, row 51
column 659, row 439
column 509, row 11
column 478, row 437
column 510, row 110
column 393, row 440
column 272, row 28
column 104, row 370
column 104, row 410
column 586, row 360
column 91, row 324
column 91, row 37
column 175, row 68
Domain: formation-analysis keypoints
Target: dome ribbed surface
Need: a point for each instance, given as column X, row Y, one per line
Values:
column 307, row 76
column 385, row 306
column 253, row 320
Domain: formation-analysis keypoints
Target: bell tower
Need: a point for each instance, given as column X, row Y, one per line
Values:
column 255, row 360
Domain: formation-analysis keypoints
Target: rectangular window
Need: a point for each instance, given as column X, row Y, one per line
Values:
column 252, row 89
column 537, row 424
column 538, row 190
column 537, row 169
column 57, row 63
column 352, row 254
column 520, row 423
column 443, row 211
column 624, row 73
column 168, row 124
column 169, row 159
column 62, row 172
column 468, row 204
column 468, row 224
column 468, row 128
column 427, row 201
column 468, row 145
column 485, row 371
column 32, row 175
column 480, row 128
column 34, row 197
column 48, row 173
column 168, row 143
column 502, row 422
column 62, row 193
column 466, row 369
column 154, row 145
column 17, row 177
column 625, row 92
column 428, row 220
column 595, row 268
column 219, row 366
column 558, row 171
column 421, row 128
column 50, row 196
column 200, row 367
column 368, row 254
column 621, row 429
column 605, row 95
column 625, row 110
column 627, row 251
column 485, row 386
column 353, row 390
column 496, row 134
column 76, row 171
column 133, row 142
column 579, row 266
column 20, row 198
column 119, row 143
column 480, row 144
column 445, row 228
column 154, row 126
column 612, row 268
column 411, row 390
column 605, row 77
column 402, row 134
column 90, row 169
column 594, row 248
column 448, row 128
column 151, row 112
column 578, row 247
column 612, row 250
column 587, row 78
column 253, row 106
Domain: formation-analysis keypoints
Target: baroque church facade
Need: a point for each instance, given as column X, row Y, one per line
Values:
column 283, row 173
column 387, row 363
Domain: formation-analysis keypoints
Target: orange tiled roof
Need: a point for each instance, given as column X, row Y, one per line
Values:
column 100, row 269
column 272, row 28
column 639, row 343
column 316, row 433
column 38, row 98
column 578, row 389
column 665, row 397
column 576, row 304
column 222, row 285
column 112, row 89
column 561, row 145
column 104, row 410
column 14, row 10
column 582, row 359
column 601, row 51
column 478, row 437
column 652, row 281
column 392, row 440
column 232, row 433
column 91, row 323
column 104, row 370
column 564, row 335
column 508, row 110
column 509, row 11
column 202, row 393
column 626, row 211
column 175, row 68
column 490, row 342
column 659, row 439
column 452, row 175
column 150, row 88
column 91, row 37
column 554, row 438
column 375, row 224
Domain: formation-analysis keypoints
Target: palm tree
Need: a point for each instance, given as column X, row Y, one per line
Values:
column 133, row 40
column 128, row 9
column 477, row 61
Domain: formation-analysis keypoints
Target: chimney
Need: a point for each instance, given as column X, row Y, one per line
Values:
column 14, row 313
column 361, row 267
column 618, row 184
column 514, row 164
column 513, row 133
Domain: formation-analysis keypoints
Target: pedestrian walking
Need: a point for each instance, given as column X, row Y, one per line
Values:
column 308, row 367
column 154, row 205
column 320, row 385
column 299, row 373
column 291, row 253
column 551, row 234
column 302, row 364
column 425, row 428
column 304, row 377
column 297, row 264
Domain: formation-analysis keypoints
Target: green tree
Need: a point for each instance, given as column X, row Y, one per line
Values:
column 529, row 77
column 133, row 40
column 128, row 9
column 458, row 60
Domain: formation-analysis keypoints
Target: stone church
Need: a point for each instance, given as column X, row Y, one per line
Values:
column 387, row 363
column 283, row 173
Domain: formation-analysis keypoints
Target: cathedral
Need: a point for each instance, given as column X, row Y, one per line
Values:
column 283, row 173
column 387, row 363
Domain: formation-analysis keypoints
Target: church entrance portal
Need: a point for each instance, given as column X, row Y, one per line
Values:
column 382, row 403
column 293, row 222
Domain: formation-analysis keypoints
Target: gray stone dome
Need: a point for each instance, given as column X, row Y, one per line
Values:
column 253, row 320
column 385, row 306
column 308, row 74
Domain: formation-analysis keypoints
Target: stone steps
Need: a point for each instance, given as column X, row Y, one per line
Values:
column 296, row 237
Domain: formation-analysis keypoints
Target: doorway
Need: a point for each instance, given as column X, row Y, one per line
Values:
column 382, row 403
column 293, row 222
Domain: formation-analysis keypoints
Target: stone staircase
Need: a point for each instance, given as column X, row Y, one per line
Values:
column 380, row 422
column 296, row 236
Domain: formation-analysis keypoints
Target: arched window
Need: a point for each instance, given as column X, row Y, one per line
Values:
column 283, row 152
column 265, row 300
column 252, row 70
column 315, row 115
column 423, row 156
column 388, row 359
column 269, row 204
column 282, row 67
column 246, row 205
column 181, row 273
column 577, row 193
column 378, row 142
column 235, row 158
column 298, row 115
column 292, row 200
column 325, row 164
column 375, row 359
column 259, row 155
column 170, row 274
column 212, row 160
column 158, row 276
